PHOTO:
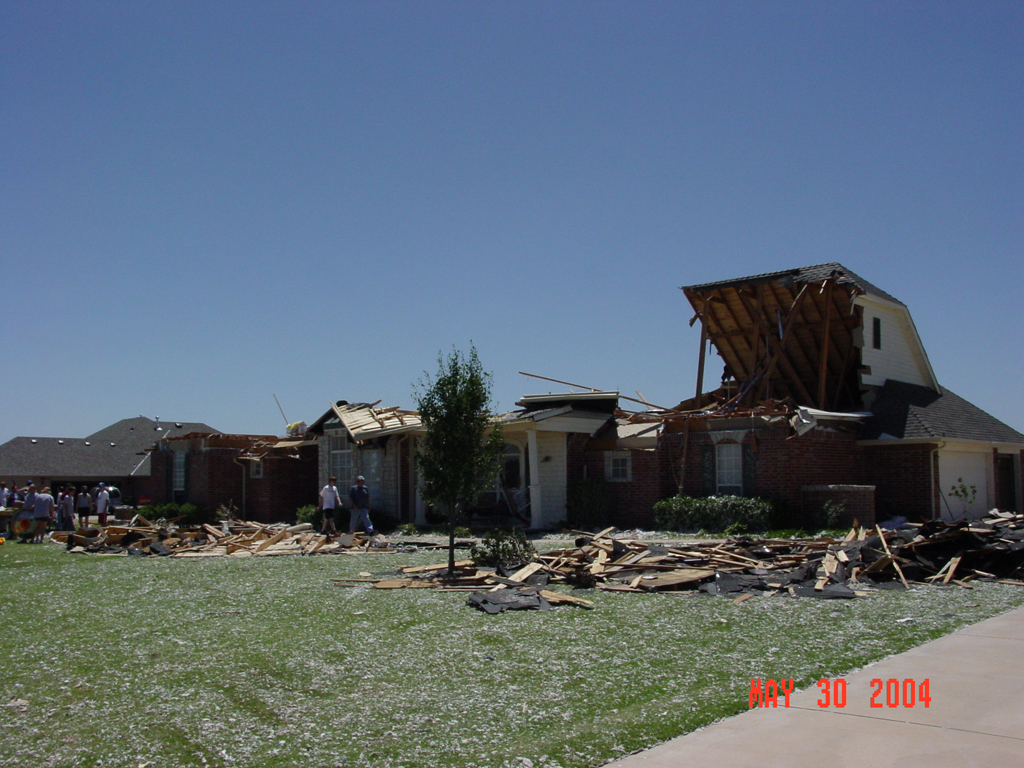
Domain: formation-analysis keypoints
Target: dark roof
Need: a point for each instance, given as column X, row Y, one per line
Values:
column 812, row 274
column 112, row 452
column 913, row 412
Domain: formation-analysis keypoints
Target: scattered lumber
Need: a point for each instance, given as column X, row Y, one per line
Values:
column 830, row 569
column 236, row 538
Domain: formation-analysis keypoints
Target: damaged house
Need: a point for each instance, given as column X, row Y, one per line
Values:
column 380, row 444
column 827, row 394
column 264, row 477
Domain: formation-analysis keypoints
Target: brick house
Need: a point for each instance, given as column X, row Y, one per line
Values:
column 117, row 455
column 827, row 393
column 264, row 477
column 381, row 443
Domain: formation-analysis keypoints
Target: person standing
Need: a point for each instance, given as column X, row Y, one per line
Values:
column 102, row 504
column 4, row 493
column 28, row 496
column 359, row 496
column 83, row 503
column 330, row 502
column 66, row 519
column 43, row 510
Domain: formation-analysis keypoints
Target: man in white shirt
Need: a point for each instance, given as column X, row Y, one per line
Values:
column 330, row 501
column 102, row 504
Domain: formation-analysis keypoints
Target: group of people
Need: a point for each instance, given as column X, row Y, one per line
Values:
column 59, row 513
column 331, row 504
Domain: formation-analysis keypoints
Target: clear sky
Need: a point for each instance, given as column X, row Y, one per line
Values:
column 206, row 204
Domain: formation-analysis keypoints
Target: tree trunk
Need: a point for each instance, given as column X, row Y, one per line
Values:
column 452, row 510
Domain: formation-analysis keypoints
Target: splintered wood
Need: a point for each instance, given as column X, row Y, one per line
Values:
column 234, row 539
column 991, row 549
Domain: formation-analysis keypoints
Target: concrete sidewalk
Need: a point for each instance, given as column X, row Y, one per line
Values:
column 975, row 718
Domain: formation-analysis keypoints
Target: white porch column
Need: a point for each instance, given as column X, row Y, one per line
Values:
column 536, row 507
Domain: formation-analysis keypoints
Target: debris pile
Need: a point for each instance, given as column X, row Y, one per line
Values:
column 991, row 549
column 141, row 538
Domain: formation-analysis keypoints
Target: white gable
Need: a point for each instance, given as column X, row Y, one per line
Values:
column 900, row 355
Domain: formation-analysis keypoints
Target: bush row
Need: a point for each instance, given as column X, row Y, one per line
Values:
column 713, row 514
column 184, row 514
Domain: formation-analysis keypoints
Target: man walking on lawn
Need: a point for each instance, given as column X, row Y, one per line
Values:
column 330, row 502
column 359, row 495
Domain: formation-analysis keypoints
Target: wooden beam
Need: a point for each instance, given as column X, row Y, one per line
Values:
column 700, row 360
column 823, row 363
column 779, row 354
column 731, row 355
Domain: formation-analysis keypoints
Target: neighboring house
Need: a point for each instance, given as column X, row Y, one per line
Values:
column 543, row 447
column 265, row 478
column 827, row 393
column 380, row 444
column 116, row 455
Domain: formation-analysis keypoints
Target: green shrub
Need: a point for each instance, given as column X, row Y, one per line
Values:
column 587, row 503
column 407, row 529
column 310, row 514
column 192, row 514
column 736, row 529
column 435, row 516
column 503, row 547
column 181, row 514
column 154, row 512
column 462, row 532
column 712, row 513
column 832, row 514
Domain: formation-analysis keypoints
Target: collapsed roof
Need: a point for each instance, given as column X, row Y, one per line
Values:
column 793, row 334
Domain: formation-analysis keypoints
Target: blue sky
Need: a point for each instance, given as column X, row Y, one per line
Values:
column 206, row 204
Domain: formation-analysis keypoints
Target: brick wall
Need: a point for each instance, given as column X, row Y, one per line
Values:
column 286, row 485
column 783, row 466
column 903, row 477
column 214, row 478
column 630, row 503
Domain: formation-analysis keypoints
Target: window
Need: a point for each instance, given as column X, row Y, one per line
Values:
column 729, row 469
column 179, row 471
column 372, row 461
column 618, row 466
column 256, row 469
column 341, row 460
column 511, row 466
column 876, row 332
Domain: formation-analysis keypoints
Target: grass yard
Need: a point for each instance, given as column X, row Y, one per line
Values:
column 262, row 662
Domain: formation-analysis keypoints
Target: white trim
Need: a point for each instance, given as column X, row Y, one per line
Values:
column 980, row 444
column 609, row 466
column 917, row 348
column 536, row 506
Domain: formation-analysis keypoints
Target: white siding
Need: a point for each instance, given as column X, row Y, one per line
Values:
column 901, row 356
column 551, row 477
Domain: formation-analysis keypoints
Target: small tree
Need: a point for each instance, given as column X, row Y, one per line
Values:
column 459, row 456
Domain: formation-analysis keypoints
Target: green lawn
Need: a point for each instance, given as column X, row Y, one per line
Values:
column 263, row 662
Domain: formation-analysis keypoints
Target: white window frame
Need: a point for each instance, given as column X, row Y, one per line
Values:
column 618, row 466
column 256, row 470
column 729, row 469
column 342, row 460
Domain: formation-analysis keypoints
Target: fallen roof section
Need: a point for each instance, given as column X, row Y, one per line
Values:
column 364, row 421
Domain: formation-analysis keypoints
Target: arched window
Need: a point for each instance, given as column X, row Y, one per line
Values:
column 729, row 469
